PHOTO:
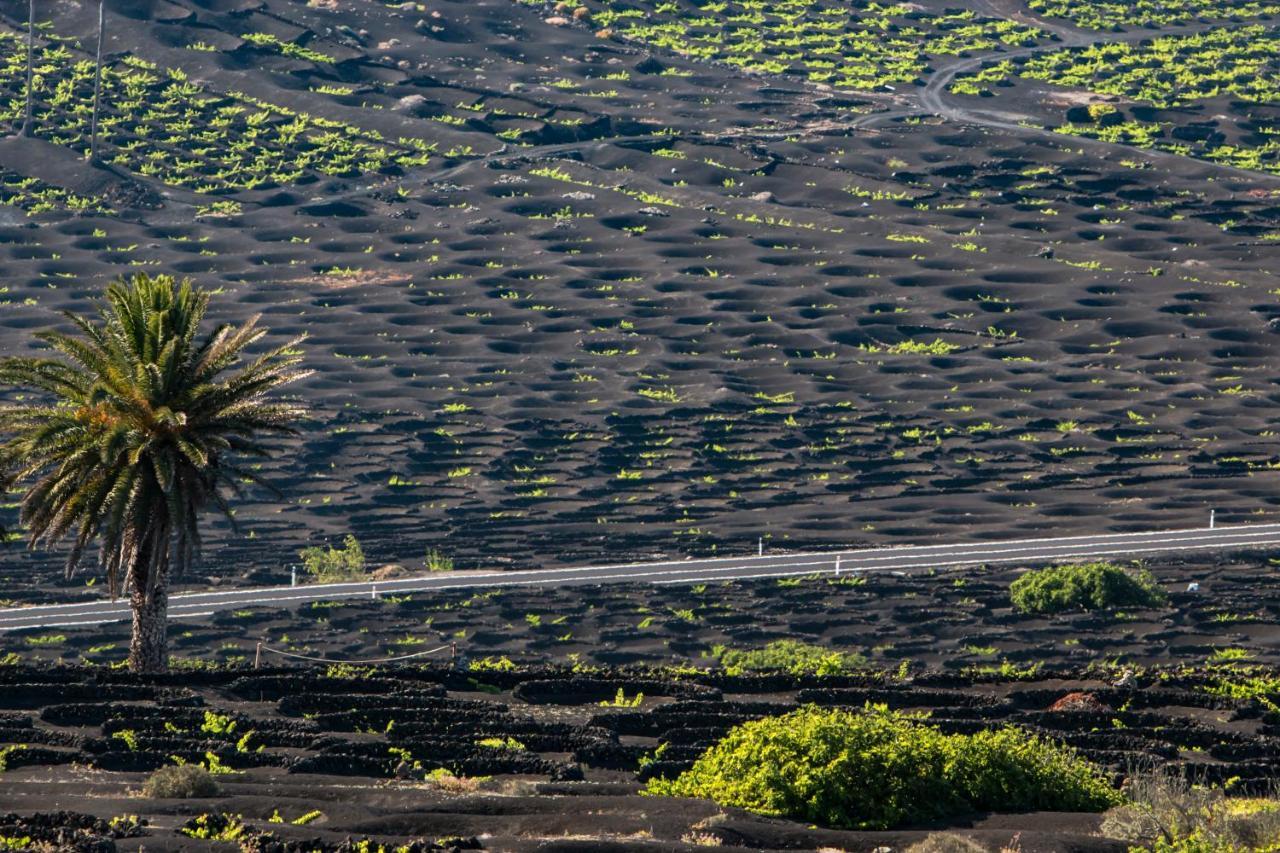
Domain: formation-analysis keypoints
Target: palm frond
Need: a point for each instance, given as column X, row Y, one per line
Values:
column 137, row 426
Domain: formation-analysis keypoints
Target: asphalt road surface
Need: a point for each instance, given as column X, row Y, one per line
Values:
column 895, row 559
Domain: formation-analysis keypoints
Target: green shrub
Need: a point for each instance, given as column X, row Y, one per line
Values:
column 332, row 565
column 7, row 751
column 180, row 782
column 787, row 656
column 438, row 561
column 880, row 769
column 1085, row 586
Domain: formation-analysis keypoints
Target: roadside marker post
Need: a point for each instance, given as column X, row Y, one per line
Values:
column 760, row 547
column 837, row 565
column 1212, row 519
column 257, row 657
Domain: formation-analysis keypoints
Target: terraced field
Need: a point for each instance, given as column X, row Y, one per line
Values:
column 574, row 290
column 620, row 278
column 1144, row 91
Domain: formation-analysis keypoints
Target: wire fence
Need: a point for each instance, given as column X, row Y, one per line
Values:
column 452, row 648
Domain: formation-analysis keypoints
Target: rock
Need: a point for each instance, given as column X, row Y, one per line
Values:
column 1079, row 702
column 568, row 773
column 557, row 21
column 410, row 102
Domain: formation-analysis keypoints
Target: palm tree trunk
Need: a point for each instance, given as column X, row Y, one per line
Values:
column 97, row 82
column 28, row 123
column 149, row 642
column 149, row 645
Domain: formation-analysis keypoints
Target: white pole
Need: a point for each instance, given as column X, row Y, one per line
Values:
column 837, row 565
column 373, row 592
column 760, row 547
column 293, row 576
column 1212, row 520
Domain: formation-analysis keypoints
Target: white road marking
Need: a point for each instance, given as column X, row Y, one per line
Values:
column 854, row 561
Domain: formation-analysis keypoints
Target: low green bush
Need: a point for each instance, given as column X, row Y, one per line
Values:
column 1085, row 586
column 183, row 782
column 334, row 565
column 881, row 769
column 790, row 656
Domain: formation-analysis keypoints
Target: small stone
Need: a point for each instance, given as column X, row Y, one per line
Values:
column 410, row 102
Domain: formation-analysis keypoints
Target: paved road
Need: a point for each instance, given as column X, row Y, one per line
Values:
column 896, row 559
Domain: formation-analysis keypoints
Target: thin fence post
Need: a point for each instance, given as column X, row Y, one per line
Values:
column 257, row 657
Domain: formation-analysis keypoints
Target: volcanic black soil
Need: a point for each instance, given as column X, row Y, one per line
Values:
column 364, row 749
column 601, row 688
column 636, row 304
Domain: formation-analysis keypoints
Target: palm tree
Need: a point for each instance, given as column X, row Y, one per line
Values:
column 137, row 434
column 97, row 82
column 28, row 123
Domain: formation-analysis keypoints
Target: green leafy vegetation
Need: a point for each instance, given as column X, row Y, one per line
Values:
column 274, row 44
column 861, row 45
column 7, row 751
column 158, row 123
column 492, row 664
column 1114, row 14
column 217, row 725
column 791, row 656
column 880, row 769
column 501, row 743
column 46, row 640
column 1084, row 586
column 438, row 561
column 35, row 196
column 1166, row 72
column 621, row 700
column 1169, row 71
column 215, row 827
column 334, row 565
